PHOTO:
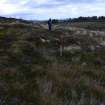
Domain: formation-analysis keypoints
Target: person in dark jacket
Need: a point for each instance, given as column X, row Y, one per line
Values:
column 50, row 25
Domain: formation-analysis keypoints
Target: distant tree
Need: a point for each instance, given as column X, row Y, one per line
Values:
column 94, row 18
column 101, row 18
column 55, row 21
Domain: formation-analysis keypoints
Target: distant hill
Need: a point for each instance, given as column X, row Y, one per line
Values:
column 6, row 20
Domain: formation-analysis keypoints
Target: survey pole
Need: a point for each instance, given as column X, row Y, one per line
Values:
column 61, row 45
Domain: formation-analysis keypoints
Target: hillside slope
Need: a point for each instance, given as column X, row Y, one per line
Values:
column 32, row 72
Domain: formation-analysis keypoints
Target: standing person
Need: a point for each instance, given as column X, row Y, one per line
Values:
column 50, row 24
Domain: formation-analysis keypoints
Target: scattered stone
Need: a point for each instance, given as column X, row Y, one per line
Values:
column 91, row 34
column 44, row 40
column 76, row 59
column 72, row 48
column 84, row 64
column 92, row 48
column 102, row 43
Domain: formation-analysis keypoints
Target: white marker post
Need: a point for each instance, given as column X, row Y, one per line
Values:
column 61, row 46
column 61, row 50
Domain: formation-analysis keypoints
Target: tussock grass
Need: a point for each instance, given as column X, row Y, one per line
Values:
column 32, row 75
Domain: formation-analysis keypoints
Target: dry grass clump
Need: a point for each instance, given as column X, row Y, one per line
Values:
column 32, row 75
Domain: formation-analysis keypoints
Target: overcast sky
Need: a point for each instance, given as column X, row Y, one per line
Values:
column 44, row 9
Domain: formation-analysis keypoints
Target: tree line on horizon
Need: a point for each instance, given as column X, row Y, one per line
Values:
column 79, row 19
column 82, row 19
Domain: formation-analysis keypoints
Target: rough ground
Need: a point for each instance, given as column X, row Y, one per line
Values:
column 32, row 72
